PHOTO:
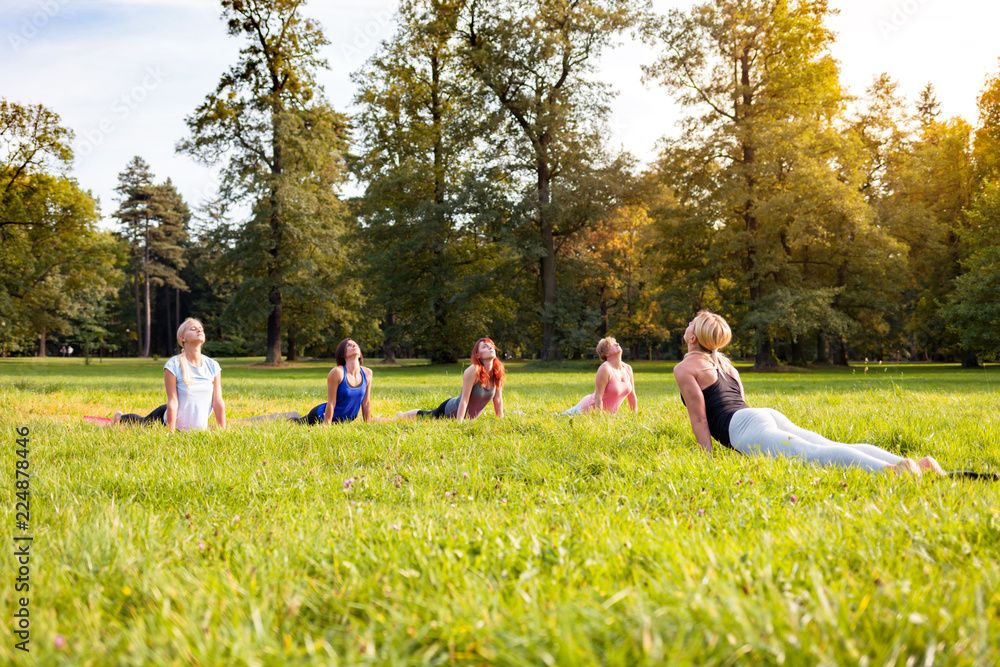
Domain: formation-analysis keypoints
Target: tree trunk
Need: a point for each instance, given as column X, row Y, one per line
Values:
column 177, row 311
column 170, row 329
column 293, row 352
column 842, row 353
column 138, row 312
column 969, row 359
column 277, row 227
column 41, row 343
column 274, row 328
column 548, row 259
column 764, row 358
column 146, row 334
column 822, row 349
column 388, row 345
column 743, row 110
column 798, row 352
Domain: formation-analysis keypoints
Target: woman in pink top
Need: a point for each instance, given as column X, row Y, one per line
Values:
column 613, row 385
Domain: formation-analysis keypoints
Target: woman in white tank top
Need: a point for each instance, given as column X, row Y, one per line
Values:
column 193, row 383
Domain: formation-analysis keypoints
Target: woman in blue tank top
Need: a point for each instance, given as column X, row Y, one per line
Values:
column 348, row 389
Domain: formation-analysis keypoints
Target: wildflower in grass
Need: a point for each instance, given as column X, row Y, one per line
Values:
column 348, row 482
column 701, row 512
column 793, row 498
column 465, row 475
column 236, row 518
column 394, row 526
column 126, row 591
column 59, row 642
column 201, row 546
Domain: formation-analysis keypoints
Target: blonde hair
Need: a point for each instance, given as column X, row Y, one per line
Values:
column 602, row 347
column 185, row 372
column 713, row 333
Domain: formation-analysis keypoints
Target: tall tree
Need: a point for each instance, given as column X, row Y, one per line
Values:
column 931, row 186
column 430, row 197
column 536, row 59
column 168, row 242
column 928, row 108
column 134, row 215
column 51, row 250
column 762, row 173
column 281, row 145
column 153, row 220
column 986, row 149
column 973, row 307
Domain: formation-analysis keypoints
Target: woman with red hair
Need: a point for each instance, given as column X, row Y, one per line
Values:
column 482, row 382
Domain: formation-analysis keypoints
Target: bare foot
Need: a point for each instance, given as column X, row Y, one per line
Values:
column 928, row 464
column 117, row 417
column 906, row 467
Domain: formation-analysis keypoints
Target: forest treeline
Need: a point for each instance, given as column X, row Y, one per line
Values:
column 824, row 225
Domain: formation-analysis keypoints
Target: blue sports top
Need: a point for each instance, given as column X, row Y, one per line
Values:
column 348, row 400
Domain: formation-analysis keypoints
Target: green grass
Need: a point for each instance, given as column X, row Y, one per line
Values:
column 532, row 540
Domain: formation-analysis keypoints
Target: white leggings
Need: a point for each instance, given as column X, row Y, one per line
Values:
column 767, row 432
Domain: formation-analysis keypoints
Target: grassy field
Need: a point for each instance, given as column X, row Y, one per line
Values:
column 531, row 540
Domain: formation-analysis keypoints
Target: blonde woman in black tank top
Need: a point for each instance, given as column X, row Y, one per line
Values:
column 716, row 403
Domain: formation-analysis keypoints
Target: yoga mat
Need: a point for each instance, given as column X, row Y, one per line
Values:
column 972, row 474
column 102, row 421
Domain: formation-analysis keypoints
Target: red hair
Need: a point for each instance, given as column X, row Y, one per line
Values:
column 496, row 375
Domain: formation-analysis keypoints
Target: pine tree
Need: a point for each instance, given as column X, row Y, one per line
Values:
column 928, row 108
column 134, row 214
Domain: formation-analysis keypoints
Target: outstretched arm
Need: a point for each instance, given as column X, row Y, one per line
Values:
column 600, row 384
column 170, row 382
column 468, row 379
column 366, row 402
column 695, row 402
column 218, row 405
column 498, row 402
column 633, row 400
column 333, row 379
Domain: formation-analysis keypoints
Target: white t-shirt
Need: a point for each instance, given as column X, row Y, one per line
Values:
column 194, row 403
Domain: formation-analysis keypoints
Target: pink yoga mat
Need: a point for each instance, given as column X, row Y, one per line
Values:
column 103, row 421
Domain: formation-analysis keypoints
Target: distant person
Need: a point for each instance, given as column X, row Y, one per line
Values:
column 69, row 351
column 482, row 383
column 193, row 383
column 713, row 393
column 614, row 382
column 348, row 389
column 62, row 351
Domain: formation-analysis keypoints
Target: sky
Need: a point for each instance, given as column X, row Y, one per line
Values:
column 124, row 74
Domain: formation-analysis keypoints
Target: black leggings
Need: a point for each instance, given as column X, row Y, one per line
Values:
column 437, row 412
column 311, row 418
column 154, row 416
